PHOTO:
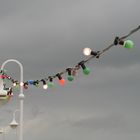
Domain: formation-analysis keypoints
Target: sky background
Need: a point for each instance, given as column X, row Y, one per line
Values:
column 47, row 36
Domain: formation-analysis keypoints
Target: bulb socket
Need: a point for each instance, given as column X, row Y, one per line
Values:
column 94, row 53
column 69, row 70
column 116, row 40
column 43, row 81
column 59, row 76
column 15, row 83
column 36, row 82
column 50, row 79
column 82, row 65
column 121, row 42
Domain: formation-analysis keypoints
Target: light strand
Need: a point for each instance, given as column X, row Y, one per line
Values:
column 72, row 71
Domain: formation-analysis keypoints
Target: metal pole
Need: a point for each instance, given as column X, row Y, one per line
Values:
column 14, row 113
column 21, row 95
column 1, row 132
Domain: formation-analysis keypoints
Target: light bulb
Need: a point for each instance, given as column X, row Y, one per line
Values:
column 128, row 44
column 25, row 86
column 45, row 86
column 86, row 70
column 87, row 51
column 50, row 83
column 31, row 82
column 21, row 84
column 14, row 84
column 2, row 76
column 36, row 83
column 8, row 77
column 70, row 76
column 74, row 73
column 62, row 82
column 11, row 95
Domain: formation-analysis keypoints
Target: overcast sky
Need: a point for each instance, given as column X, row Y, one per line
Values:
column 47, row 36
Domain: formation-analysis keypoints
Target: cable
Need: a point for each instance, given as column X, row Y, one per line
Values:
column 79, row 65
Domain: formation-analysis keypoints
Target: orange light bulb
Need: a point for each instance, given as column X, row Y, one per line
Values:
column 62, row 82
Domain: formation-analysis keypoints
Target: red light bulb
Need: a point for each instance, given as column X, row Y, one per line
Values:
column 11, row 95
column 62, row 82
column 25, row 87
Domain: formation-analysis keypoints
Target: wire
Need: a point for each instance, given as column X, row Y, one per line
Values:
column 77, row 66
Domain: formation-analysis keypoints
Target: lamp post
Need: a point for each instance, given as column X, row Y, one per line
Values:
column 21, row 95
column 14, row 124
column 2, row 131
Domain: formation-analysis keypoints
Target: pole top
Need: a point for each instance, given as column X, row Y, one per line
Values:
column 21, row 96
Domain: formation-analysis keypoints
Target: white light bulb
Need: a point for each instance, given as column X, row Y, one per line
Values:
column 21, row 84
column 87, row 51
column 45, row 86
column 14, row 84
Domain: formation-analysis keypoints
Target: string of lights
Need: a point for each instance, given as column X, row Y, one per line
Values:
column 71, row 72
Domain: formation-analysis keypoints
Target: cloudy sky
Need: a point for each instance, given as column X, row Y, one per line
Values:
column 47, row 36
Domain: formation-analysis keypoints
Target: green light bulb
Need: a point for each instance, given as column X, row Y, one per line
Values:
column 50, row 84
column 37, row 85
column 17, row 87
column 128, row 44
column 70, row 78
column 86, row 71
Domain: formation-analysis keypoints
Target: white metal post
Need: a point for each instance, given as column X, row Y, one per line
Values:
column 21, row 95
column 14, row 113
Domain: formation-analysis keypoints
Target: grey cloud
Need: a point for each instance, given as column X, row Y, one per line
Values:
column 113, row 123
